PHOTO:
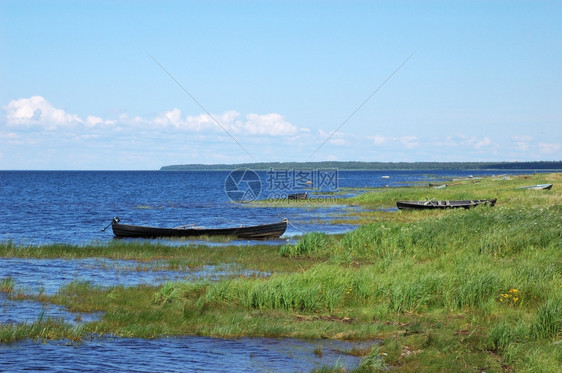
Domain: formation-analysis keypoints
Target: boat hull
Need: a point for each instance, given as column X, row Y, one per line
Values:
column 538, row 187
column 298, row 196
column 428, row 205
column 257, row 232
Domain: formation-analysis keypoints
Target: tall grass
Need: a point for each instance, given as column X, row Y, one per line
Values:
column 482, row 231
column 322, row 288
column 548, row 322
column 310, row 243
column 42, row 329
column 7, row 285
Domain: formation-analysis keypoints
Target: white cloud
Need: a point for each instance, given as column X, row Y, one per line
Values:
column 338, row 142
column 174, row 119
column 409, row 142
column 272, row 124
column 8, row 135
column 323, row 133
column 477, row 143
column 484, row 142
column 170, row 118
column 522, row 138
column 36, row 111
column 548, row 148
column 379, row 140
column 522, row 142
column 93, row 121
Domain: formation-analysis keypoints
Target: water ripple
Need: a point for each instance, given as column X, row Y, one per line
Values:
column 191, row 354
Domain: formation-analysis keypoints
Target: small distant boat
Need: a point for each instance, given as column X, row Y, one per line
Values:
column 538, row 187
column 256, row 232
column 433, row 204
column 385, row 177
column 297, row 196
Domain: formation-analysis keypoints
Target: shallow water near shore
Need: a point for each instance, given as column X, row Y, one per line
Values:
column 27, row 311
column 179, row 354
column 47, row 276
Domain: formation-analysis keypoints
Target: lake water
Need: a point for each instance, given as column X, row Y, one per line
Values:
column 43, row 207
column 39, row 207
column 182, row 354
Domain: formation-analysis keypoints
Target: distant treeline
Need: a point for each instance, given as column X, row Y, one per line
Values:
column 542, row 165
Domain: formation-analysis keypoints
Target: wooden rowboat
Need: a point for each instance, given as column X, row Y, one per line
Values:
column 256, row 232
column 297, row 196
column 433, row 204
column 538, row 187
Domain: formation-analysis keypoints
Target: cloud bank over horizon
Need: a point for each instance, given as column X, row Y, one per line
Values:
column 37, row 113
column 42, row 134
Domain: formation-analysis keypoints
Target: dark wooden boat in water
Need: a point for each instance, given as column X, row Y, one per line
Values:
column 433, row 204
column 297, row 196
column 256, row 232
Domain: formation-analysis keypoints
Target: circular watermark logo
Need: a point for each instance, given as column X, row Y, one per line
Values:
column 242, row 185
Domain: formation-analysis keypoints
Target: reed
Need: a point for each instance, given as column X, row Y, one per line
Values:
column 7, row 285
column 42, row 329
column 309, row 244
column 548, row 321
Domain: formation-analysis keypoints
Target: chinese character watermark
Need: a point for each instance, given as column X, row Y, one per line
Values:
column 299, row 180
column 245, row 185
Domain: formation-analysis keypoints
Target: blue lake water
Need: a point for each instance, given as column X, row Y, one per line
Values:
column 39, row 207
column 43, row 207
column 182, row 354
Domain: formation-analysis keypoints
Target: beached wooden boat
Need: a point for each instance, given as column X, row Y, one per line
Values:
column 433, row 204
column 256, row 232
column 538, row 187
column 296, row 196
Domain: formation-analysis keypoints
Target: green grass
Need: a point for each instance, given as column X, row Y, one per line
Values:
column 7, row 285
column 453, row 290
column 257, row 257
column 309, row 244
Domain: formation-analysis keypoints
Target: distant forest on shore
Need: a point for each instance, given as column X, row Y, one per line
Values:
column 373, row 166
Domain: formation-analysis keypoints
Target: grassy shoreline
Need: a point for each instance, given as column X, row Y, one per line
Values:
column 451, row 290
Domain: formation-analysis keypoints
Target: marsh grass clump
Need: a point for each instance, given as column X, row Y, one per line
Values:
column 7, row 285
column 43, row 329
column 548, row 322
column 175, row 291
column 504, row 334
column 310, row 243
column 323, row 288
column 481, row 231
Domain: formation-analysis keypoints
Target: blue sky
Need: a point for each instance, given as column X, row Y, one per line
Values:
column 80, row 90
